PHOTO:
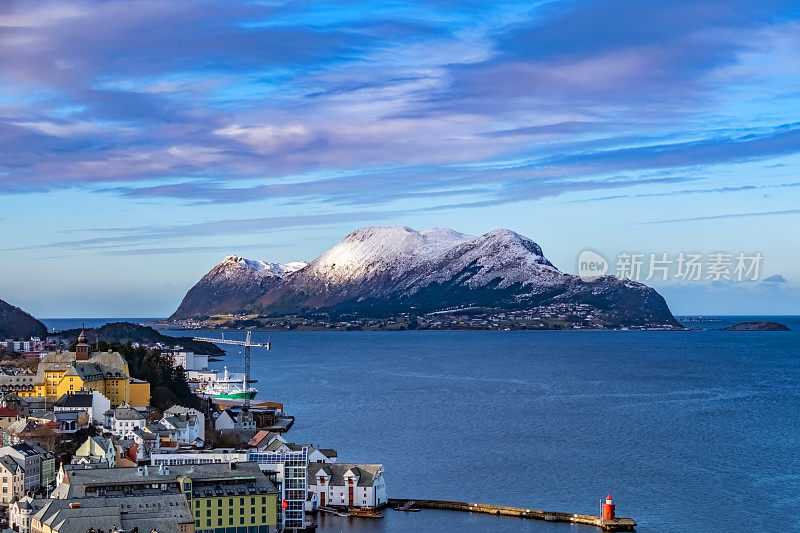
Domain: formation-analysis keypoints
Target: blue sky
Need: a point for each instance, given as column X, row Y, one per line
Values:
column 142, row 141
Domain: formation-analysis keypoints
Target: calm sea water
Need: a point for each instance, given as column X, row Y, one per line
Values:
column 689, row 431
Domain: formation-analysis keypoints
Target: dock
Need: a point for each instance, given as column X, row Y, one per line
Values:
column 605, row 524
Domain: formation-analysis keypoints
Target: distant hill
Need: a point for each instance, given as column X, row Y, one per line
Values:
column 17, row 324
column 759, row 325
column 124, row 332
column 387, row 271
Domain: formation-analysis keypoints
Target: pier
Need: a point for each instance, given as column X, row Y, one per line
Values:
column 606, row 524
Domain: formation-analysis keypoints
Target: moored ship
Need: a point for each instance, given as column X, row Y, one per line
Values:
column 228, row 387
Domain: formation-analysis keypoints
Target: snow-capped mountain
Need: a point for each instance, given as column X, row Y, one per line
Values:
column 232, row 285
column 384, row 271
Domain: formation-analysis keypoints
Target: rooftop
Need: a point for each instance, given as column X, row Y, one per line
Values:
column 74, row 400
column 367, row 473
column 243, row 475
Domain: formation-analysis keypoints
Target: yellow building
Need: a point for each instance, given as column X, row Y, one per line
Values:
column 218, row 506
column 62, row 373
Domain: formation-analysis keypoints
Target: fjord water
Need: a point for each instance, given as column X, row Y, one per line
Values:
column 689, row 431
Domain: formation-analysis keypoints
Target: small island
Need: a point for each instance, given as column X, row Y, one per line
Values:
column 759, row 325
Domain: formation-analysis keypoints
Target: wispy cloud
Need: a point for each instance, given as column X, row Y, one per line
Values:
column 123, row 238
column 726, row 215
column 681, row 192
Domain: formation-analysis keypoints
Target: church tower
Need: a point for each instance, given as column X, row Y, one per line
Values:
column 82, row 348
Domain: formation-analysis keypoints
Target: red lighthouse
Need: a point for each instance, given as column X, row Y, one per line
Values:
column 608, row 508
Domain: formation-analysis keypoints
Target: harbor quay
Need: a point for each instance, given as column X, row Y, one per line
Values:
column 607, row 521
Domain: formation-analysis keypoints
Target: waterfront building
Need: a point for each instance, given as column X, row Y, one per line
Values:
column 169, row 512
column 123, row 421
column 93, row 403
column 220, row 496
column 346, row 485
column 290, row 468
column 286, row 468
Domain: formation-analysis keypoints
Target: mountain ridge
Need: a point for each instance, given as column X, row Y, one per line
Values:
column 391, row 270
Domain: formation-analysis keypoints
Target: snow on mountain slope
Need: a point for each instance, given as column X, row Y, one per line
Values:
column 232, row 285
column 382, row 271
column 501, row 255
column 376, row 251
column 263, row 267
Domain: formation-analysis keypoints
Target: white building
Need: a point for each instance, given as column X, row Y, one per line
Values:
column 234, row 418
column 94, row 403
column 21, row 511
column 188, row 360
column 123, row 421
column 189, row 411
column 198, row 457
column 185, row 426
column 346, row 485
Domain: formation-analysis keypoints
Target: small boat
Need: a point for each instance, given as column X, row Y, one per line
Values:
column 364, row 512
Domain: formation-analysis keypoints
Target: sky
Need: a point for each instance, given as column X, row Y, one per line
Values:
column 142, row 141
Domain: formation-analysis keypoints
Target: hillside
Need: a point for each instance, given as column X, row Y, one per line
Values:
column 124, row 332
column 17, row 324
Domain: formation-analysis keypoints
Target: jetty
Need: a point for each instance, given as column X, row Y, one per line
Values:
column 606, row 524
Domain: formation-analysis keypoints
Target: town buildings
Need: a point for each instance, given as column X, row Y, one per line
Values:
column 11, row 479
column 93, row 403
column 96, row 450
column 188, row 425
column 62, row 373
column 123, row 421
column 234, row 418
column 220, row 496
column 169, row 512
column 25, row 469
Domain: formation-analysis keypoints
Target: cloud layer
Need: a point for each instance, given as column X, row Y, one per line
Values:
column 231, row 102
